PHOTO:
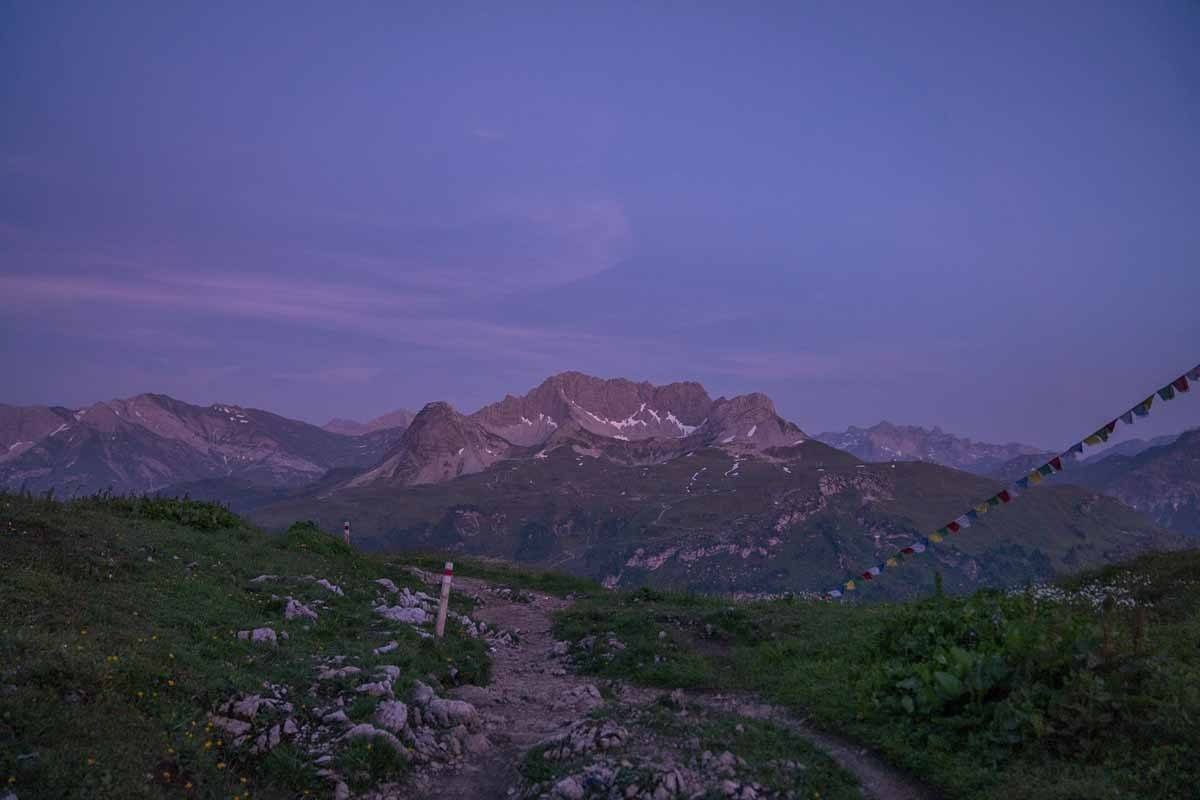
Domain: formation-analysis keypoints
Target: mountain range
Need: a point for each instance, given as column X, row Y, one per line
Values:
column 623, row 481
column 151, row 442
column 888, row 442
column 400, row 418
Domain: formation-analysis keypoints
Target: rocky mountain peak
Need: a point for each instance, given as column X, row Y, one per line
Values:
column 438, row 445
column 613, row 407
column 749, row 421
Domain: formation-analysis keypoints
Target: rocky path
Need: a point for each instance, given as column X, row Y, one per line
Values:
column 531, row 696
column 534, row 699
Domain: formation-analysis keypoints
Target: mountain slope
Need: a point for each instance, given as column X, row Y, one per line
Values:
column 794, row 518
column 152, row 441
column 1131, row 448
column 1163, row 482
column 22, row 426
column 888, row 442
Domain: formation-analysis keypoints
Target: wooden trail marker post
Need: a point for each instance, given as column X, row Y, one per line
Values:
column 447, row 576
column 346, row 532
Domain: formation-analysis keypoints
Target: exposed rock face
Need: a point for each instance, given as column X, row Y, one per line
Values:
column 151, row 441
column 888, row 442
column 615, row 408
column 440, row 444
column 748, row 422
column 616, row 419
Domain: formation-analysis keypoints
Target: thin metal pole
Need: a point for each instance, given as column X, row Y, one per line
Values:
column 447, row 576
column 346, row 532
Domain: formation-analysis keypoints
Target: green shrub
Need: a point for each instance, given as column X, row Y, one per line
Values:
column 309, row 537
column 199, row 514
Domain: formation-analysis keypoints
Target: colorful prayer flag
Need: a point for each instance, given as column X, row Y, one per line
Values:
column 1167, row 392
column 1127, row 417
column 935, row 537
column 1045, row 469
column 1076, row 448
column 1056, row 463
column 850, row 587
column 835, row 593
column 995, row 500
column 954, row 527
column 892, row 562
column 907, row 550
column 963, row 521
column 1110, row 427
column 1023, row 482
column 1194, row 373
column 1180, row 383
column 982, row 508
column 1143, row 408
column 1035, row 477
column 972, row 514
column 1092, row 440
column 918, row 547
column 1004, row 496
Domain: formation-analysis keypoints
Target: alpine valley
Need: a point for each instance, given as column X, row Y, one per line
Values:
column 629, row 483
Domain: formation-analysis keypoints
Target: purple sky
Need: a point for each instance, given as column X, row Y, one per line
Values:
column 978, row 215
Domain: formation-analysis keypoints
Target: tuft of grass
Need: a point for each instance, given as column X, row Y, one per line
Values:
column 367, row 763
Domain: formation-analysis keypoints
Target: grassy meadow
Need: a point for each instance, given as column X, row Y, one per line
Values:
column 1085, row 689
column 119, row 620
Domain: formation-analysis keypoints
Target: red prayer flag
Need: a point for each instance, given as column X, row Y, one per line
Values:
column 1110, row 427
column 866, row 576
column 1056, row 462
column 1180, row 383
column 1004, row 496
column 954, row 527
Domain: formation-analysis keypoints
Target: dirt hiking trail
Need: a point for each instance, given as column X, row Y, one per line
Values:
column 536, row 700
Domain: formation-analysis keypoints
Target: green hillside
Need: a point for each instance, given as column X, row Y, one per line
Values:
column 709, row 522
column 1087, row 690
column 119, row 637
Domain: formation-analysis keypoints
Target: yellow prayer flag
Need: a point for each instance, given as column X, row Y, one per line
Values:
column 935, row 537
column 1035, row 477
column 1092, row 440
column 891, row 562
column 982, row 508
column 850, row 587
